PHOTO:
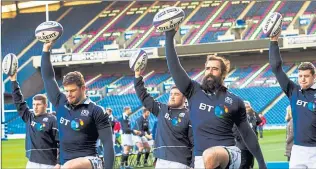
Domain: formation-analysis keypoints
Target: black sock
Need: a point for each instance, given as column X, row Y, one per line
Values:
column 124, row 160
column 146, row 157
column 138, row 157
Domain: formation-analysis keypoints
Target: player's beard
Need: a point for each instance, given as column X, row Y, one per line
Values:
column 211, row 83
column 174, row 105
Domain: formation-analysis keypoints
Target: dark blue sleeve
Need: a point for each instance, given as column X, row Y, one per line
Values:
column 180, row 77
column 190, row 132
column 276, row 64
column 248, row 135
column 55, row 134
column 55, row 128
column 105, row 136
column 101, row 118
column 20, row 104
column 147, row 101
column 48, row 75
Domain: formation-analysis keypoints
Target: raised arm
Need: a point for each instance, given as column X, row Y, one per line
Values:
column 180, row 77
column 48, row 76
column 276, row 64
column 20, row 104
column 147, row 101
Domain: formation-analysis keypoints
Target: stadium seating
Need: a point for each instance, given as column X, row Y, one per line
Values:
column 276, row 115
column 77, row 17
column 157, row 78
column 257, row 12
column 260, row 97
column 102, row 81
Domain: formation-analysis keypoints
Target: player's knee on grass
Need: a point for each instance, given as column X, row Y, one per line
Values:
column 215, row 157
column 78, row 163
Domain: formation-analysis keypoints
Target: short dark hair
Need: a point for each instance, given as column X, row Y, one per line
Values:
column 225, row 63
column 145, row 110
column 41, row 97
column 307, row 66
column 173, row 87
column 74, row 78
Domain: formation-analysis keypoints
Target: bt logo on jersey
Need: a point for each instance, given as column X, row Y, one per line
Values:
column 76, row 124
column 64, row 121
column 219, row 111
column 310, row 105
column 204, row 106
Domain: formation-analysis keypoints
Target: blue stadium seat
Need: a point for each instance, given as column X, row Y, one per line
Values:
column 258, row 9
column 102, row 82
column 202, row 14
column 125, row 22
column 233, row 11
column 99, row 45
column 157, row 78
column 98, row 24
column 241, row 73
column 311, row 8
column 276, row 115
column 259, row 97
column 153, row 41
column 211, row 36
column 125, row 80
column 146, row 20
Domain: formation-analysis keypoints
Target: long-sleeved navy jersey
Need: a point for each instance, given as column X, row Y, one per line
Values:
column 142, row 125
column 303, row 102
column 79, row 126
column 41, row 131
column 174, row 139
column 126, row 124
column 212, row 114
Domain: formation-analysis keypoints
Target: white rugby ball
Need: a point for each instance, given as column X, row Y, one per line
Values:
column 168, row 18
column 272, row 26
column 10, row 64
column 138, row 60
column 48, row 31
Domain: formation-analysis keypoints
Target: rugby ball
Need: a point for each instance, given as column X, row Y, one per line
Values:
column 138, row 60
column 168, row 18
column 48, row 31
column 10, row 64
column 272, row 26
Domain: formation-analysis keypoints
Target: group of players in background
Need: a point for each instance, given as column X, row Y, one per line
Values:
column 205, row 134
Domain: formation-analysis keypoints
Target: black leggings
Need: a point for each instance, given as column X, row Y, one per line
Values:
column 247, row 160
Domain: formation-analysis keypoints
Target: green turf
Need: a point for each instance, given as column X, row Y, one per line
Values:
column 272, row 145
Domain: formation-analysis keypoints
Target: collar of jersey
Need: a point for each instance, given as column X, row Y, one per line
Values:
column 86, row 102
column 312, row 87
